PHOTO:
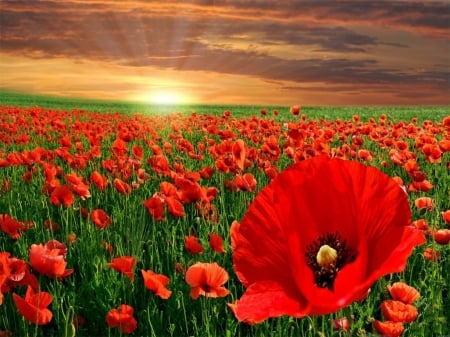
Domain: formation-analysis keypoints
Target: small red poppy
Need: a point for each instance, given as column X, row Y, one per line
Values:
column 34, row 306
column 122, row 187
column 442, row 236
column 403, row 292
column 125, row 265
column 446, row 216
column 156, row 283
column 216, row 243
column 206, row 279
column 100, row 218
column 49, row 260
column 123, row 318
column 62, row 195
column 398, row 311
column 389, row 328
column 192, row 245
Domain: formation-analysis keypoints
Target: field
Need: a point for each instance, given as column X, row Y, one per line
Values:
column 160, row 188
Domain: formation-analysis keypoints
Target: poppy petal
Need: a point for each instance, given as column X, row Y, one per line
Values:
column 267, row 299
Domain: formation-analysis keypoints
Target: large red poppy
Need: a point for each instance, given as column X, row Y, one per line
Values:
column 318, row 236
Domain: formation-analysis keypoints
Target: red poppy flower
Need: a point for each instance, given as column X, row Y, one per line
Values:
column 341, row 323
column 62, row 195
column 155, row 207
column 446, row 216
column 216, row 243
column 34, row 306
column 192, row 245
column 122, row 187
column 4, row 272
column 431, row 254
column 123, row 318
column 49, row 261
column 398, row 311
column 318, row 236
column 246, row 182
column 295, row 110
column 156, row 283
column 124, row 264
column 442, row 236
column 99, row 180
column 388, row 328
column 14, row 272
column 422, row 224
column 11, row 226
column 206, row 279
column 239, row 153
column 100, row 218
column 402, row 292
column 175, row 207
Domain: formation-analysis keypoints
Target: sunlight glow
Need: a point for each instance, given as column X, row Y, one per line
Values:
column 166, row 97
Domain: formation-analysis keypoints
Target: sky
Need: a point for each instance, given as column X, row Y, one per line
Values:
column 257, row 52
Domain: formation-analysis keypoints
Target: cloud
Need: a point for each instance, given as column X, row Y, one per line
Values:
column 330, row 42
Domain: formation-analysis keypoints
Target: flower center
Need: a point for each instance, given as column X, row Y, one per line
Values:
column 326, row 256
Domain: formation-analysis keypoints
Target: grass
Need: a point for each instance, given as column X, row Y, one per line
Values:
column 95, row 288
column 401, row 112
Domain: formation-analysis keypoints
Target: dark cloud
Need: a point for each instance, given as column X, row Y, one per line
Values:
column 226, row 37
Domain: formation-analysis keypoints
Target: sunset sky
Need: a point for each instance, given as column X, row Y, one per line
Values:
column 229, row 52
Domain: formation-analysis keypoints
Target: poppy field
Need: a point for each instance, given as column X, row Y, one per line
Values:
column 239, row 221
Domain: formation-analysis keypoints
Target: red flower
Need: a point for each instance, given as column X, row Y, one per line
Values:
column 446, row 216
column 239, row 153
column 206, row 279
column 192, row 245
column 424, row 203
column 216, row 243
column 175, row 207
column 62, row 195
column 49, row 261
column 100, row 218
column 397, row 311
column 155, row 207
column 340, row 225
column 295, row 110
column 5, row 272
column 156, row 283
column 431, row 254
column 99, row 180
column 124, row 264
column 14, row 272
column 402, row 292
column 122, row 187
column 11, row 226
column 122, row 317
column 442, row 236
column 34, row 306
column 389, row 329
column 341, row 323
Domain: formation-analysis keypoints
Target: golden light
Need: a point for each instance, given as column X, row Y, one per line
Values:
column 166, row 97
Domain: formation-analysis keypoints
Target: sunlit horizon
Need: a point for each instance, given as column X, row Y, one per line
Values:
column 272, row 53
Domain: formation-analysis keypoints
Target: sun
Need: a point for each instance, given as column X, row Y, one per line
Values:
column 166, row 97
